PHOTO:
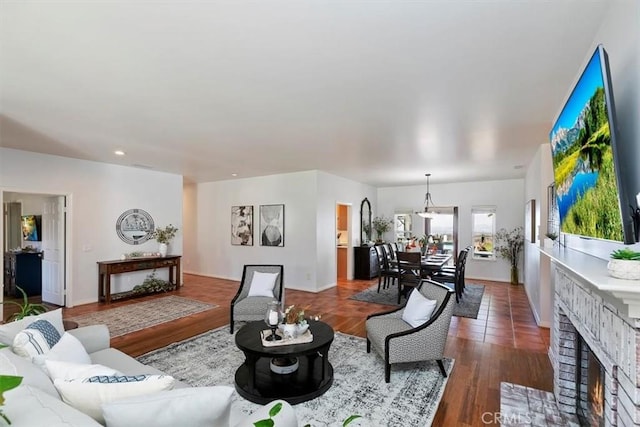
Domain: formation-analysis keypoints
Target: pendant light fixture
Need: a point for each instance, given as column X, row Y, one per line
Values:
column 427, row 199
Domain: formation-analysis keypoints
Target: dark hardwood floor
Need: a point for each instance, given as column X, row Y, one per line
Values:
column 503, row 344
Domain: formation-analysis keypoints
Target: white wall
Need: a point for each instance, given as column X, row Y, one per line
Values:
column 97, row 193
column 537, row 282
column 506, row 195
column 309, row 252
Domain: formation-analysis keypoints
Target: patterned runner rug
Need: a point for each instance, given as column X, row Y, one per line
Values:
column 468, row 306
column 410, row 399
column 134, row 317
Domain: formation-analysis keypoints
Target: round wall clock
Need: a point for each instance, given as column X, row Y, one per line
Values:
column 134, row 226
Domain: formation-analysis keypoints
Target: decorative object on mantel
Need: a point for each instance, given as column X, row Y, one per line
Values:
column 163, row 236
column 624, row 264
column 138, row 255
column 381, row 225
column 509, row 246
column 134, row 226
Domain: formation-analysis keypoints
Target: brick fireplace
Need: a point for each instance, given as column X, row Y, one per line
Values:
column 582, row 311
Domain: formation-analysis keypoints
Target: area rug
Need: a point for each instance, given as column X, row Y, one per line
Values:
column 134, row 317
column 468, row 306
column 410, row 399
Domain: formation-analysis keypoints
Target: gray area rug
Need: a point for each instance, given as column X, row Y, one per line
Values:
column 134, row 317
column 468, row 306
column 410, row 399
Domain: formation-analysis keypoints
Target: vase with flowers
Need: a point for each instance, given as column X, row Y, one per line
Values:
column 163, row 236
column 381, row 225
column 509, row 246
column 294, row 322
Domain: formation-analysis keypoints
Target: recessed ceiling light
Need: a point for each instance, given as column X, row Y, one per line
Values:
column 119, row 153
column 234, row 174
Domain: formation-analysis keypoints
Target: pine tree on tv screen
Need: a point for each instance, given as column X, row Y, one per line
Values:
column 583, row 163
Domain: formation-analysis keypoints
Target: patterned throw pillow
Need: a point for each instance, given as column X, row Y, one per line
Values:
column 104, row 379
column 38, row 338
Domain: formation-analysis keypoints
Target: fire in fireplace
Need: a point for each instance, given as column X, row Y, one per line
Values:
column 590, row 386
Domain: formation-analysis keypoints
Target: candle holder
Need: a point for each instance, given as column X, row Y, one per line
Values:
column 272, row 318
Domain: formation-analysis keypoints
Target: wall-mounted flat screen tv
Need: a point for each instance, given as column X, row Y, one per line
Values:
column 589, row 185
column 31, row 231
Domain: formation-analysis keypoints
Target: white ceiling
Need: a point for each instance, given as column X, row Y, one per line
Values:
column 380, row 92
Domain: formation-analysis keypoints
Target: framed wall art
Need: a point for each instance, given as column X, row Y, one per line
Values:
column 134, row 226
column 242, row 225
column 272, row 225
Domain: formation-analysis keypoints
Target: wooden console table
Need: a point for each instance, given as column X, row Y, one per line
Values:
column 107, row 268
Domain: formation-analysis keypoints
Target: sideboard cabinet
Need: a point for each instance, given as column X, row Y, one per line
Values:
column 23, row 269
column 365, row 263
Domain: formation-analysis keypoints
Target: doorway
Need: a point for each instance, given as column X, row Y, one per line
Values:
column 45, row 281
column 343, row 214
column 443, row 228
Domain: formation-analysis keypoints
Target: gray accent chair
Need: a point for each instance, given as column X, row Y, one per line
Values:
column 245, row 308
column 398, row 342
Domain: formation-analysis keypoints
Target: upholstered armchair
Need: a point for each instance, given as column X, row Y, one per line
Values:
column 260, row 285
column 397, row 341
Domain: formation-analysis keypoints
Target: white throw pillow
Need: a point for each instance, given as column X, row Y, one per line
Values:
column 418, row 309
column 88, row 397
column 8, row 331
column 262, row 284
column 39, row 337
column 67, row 371
column 68, row 349
column 193, row 407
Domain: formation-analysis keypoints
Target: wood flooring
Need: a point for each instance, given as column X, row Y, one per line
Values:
column 502, row 344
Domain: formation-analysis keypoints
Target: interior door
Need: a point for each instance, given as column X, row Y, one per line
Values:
column 53, row 244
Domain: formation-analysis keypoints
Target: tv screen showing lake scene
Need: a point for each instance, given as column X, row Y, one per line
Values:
column 583, row 162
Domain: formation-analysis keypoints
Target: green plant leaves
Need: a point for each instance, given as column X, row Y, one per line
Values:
column 626, row 253
column 8, row 382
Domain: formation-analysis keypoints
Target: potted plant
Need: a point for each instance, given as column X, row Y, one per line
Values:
column 381, row 225
column 25, row 308
column 624, row 264
column 509, row 245
column 163, row 236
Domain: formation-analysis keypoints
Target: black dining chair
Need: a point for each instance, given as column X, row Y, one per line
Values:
column 454, row 278
column 388, row 271
column 409, row 273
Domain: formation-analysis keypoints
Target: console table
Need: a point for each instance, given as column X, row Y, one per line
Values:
column 107, row 268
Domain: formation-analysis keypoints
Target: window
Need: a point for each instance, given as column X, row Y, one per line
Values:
column 483, row 229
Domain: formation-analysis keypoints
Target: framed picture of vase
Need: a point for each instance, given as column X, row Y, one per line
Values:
column 272, row 225
column 242, row 225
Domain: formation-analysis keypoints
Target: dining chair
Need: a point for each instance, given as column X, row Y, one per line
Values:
column 409, row 272
column 455, row 277
column 397, row 341
column 260, row 285
column 387, row 270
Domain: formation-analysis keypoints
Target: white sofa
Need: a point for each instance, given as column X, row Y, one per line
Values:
column 37, row 402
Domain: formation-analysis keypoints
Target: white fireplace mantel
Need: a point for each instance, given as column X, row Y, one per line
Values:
column 594, row 271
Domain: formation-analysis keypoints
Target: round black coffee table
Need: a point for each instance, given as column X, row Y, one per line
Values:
column 256, row 382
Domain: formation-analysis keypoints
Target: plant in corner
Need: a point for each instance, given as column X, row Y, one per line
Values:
column 509, row 245
column 26, row 308
column 381, row 225
column 624, row 264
